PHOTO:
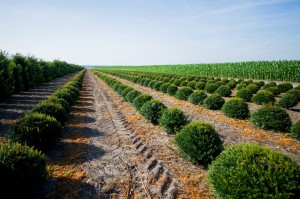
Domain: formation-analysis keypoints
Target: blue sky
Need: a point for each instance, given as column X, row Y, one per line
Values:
column 146, row 32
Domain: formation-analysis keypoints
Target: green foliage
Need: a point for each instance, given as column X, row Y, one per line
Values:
column 22, row 169
column 241, row 86
column 184, row 83
column 284, row 87
column 197, row 97
column 132, row 95
column 192, row 84
column 214, row 102
column 263, row 97
column 211, row 87
column 295, row 130
column 236, row 108
column 177, row 82
column 224, row 91
column 199, row 141
column 164, row 87
column 64, row 94
column 126, row 91
column 252, row 171
column 271, row 118
column 172, row 89
column 172, row 120
column 139, row 101
column 200, row 86
column 274, row 89
column 245, row 94
column 52, row 109
column 183, row 93
column 294, row 92
column 157, row 85
column 253, row 88
column 37, row 130
column 288, row 101
column 61, row 102
column 152, row 110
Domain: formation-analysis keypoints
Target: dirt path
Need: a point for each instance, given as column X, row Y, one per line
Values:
column 18, row 104
column 231, row 131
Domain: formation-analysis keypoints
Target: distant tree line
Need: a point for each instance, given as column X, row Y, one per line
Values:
column 19, row 72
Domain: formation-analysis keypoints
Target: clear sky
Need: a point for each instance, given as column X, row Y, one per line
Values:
column 144, row 32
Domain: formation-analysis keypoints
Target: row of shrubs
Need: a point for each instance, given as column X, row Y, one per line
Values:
column 246, row 89
column 268, row 117
column 236, row 172
column 18, row 72
column 22, row 159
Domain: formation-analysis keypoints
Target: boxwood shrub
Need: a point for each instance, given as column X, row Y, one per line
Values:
column 236, row 108
column 270, row 84
column 140, row 100
column 295, row 130
column 63, row 94
column 52, row 109
column 271, row 118
column 295, row 92
column 240, row 86
column 38, row 130
column 22, row 169
column 284, row 87
column 157, row 85
column 252, row 171
column 263, row 97
column 211, row 87
column 245, row 94
column 288, row 101
column 200, row 86
column 192, row 84
column 274, row 89
column 214, row 102
column 62, row 102
column 164, row 87
column 177, row 82
column 152, row 110
column 224, row 91
column 200, row 142
column 183, row 93
column 131, row 95
column 172, row 89
column 172, row 120
column 184, row 83
column 125, row 91
column 197, row 97
column 253, row 88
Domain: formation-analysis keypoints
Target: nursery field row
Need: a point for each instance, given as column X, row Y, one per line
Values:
column 261, row 70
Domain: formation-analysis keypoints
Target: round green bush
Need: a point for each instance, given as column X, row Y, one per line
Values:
column 152, row 110
column 151, row 83
column 253, row 88
column 200, row 86
column 115, row 86
column 183, row 93
column 270, row 84
column 211, row 87
column 172, row 89
column 52, row 109
column 297, row 87
column 72, row 88
column 271, row 118
column 192, row 84
column 241, row 86
column 184, row 83
column 125, row 91
column 131, row 95
column 62, row 102
column 73, row 94
column 121, row 88
column 64, row 95
column 164, row 87
column 199, row 141
column 140, row 100
column 224, row 91
column 236, row 108
column 22, row 169
column 288, row 101
column 177, row 82
column 263, row 97
column 245, row 94
column 294, row 92
column 157, row 85
column 231, row 85
column 214, row 102
column 284, row 87
column 295, row 130
column 197, row 97
column 172, row 120
column 225, row 80
column 274, row 89
column 252, row 171
column 38, row 130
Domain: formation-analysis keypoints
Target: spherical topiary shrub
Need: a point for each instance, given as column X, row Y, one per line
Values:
column 263, row 97
column 172, row 89
column 60, row 101
column 253, row 88
column 271, row 118
column 64, row 95
column 121, row 88
column 274, row 89
column 192, row 84
column 37, row 130
column 22, row 169
column 152, row 110
column 199, row 141
column 184, row 83
column 140, row 100
column 288, row 101
column 214, row 102
column 295, row 130
column 151, row 83
column 157, row 85
column 200, row 86
column 131, row 95
column 252, row 171
column 177, row 82
column 240, row 86
column 231, row 84
column 245, row 94
column 211, row 87
column 125, row 91
column 52, row 109
column 270, row 84
column 164, row 87
column 197, row 97
column 172, row 120
column 236, row 108
column 295, row 92
column 183, row 93
column 284, row 87
column 224, row 91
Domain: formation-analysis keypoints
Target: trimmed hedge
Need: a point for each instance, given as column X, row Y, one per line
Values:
column 172, row 89
column 211, row 87
column 263, row 97
column 164, row 87
column 271, row 118
column 140, row 100
column 295, row 130
column 245, row 94
column 199, row 141
column 183, row 93
column 224, row 91
column 274, row 89
column 214, row 102
column 200, row 86
column 284, row 87
column 131, row 95
column 288, row 101
column 22, row 169
column 52, row 109
column 252, row 171
column 152, row 110
column 197, row 97
column 253, row 88
column 172, row 120
column 236, row 108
